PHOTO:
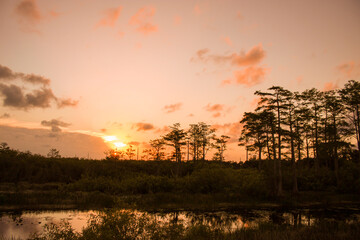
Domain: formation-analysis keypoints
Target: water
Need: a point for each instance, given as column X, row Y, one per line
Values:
column 24, row 224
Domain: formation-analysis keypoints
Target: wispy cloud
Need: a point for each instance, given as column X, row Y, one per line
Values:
column 216, row 109
column 142, row 20
column 330, row 86
column 29, row 12
column 140, row 126
column 55, row 125
column 172, row 107
column 30, row 16
column 254, row 56
column 349, row 69
column 250, row 76
column 111, row 15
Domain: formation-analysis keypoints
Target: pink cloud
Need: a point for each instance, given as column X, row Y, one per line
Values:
column 214, row 108
column 140, row 126
column 215, row 115
column 162, row 130
column 111, row 15
column 233, row 130
column 226, row 82
column 254, row 56
column 28, row 11
column 143, row 20
column 172, row 107
column 349, row 69
column 330, row 86
column 228, row 41
column 250, row 76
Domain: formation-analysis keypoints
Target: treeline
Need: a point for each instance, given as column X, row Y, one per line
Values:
column 194, row 143
column 229, row 180
column 317, row 125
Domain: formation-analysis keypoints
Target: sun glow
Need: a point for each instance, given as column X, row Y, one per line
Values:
column 119, row 144
column 110, row 138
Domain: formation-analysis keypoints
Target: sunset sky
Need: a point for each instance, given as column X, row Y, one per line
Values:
column 75, row 71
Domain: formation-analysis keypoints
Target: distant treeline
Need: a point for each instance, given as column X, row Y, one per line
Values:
column 127, row 177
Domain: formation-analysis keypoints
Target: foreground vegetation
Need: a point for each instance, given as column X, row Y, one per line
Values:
column 127, row 225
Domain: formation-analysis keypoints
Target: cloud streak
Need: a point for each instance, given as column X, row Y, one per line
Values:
column 172, row 107
column 140, row 126
column 111, row 15
column 55, row 125
column 142, row 20
column 254, row 56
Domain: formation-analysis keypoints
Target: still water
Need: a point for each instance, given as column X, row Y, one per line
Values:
column 22, row 224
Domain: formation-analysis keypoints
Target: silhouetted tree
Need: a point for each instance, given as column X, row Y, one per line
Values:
column 220, row 146
column 176, row 139
column 158, row 147
column 53, row 153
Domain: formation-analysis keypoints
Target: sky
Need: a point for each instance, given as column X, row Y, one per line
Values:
column 74, row 72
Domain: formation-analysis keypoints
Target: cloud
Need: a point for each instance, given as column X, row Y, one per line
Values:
column 349, row 69
column 142, row 20
column 330, row 86
column 162, row 130
column 55, row 125
column 28, row 11
column 226, row 82
column 143, row 126
column 5, row 115
column 68, row 102
column 39, row 98
column 233, row 130
column 250, row 76
column 254, row 56
column 172, row 107
column 215, row 115
column 214, row 108
column 228, row 41
column 14, row 95
column 7, row 74
column 110, row 18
